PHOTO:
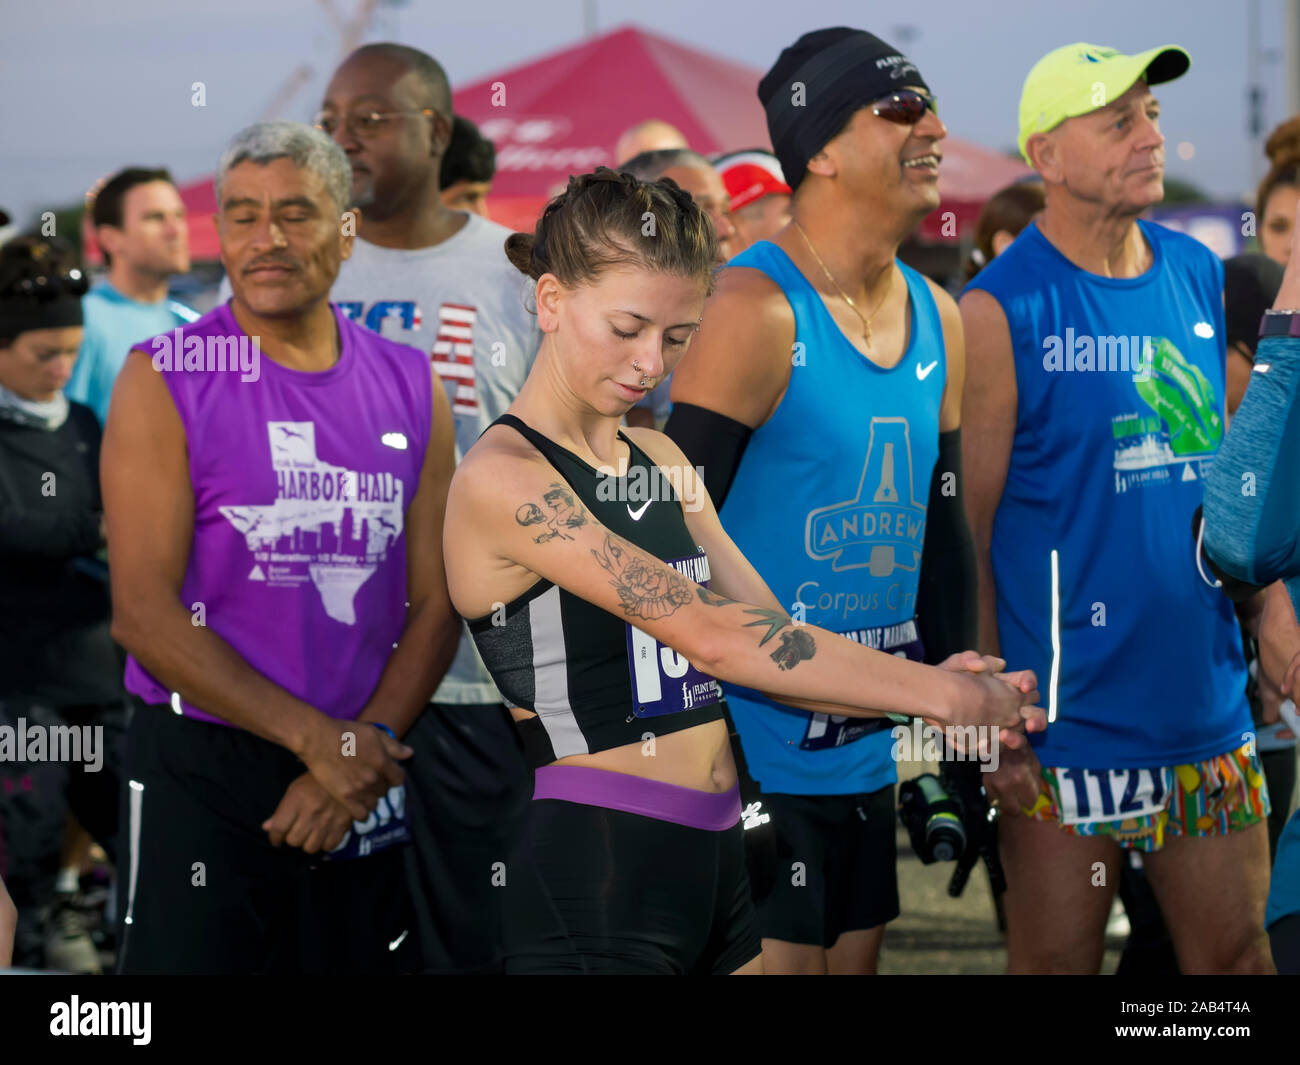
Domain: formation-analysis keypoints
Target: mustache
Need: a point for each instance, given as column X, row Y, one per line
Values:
column 282, row 263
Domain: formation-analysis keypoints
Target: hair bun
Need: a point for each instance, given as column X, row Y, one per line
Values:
column 519, row 250
column 1283, row 144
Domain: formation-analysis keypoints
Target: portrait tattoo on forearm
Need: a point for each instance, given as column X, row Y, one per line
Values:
column 795, row 646
column 647, row 589
column 565, row 513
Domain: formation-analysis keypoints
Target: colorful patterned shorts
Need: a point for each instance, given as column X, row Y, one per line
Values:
column 1139, row 808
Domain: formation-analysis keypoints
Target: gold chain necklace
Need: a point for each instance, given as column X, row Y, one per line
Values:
column 866, row 322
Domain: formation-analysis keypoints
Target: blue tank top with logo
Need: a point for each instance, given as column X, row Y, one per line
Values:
column 1120, row 412
column 829, row 505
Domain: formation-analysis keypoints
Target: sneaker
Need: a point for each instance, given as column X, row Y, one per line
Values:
column 95, row 910
column 68, row 947
column 1117, row 925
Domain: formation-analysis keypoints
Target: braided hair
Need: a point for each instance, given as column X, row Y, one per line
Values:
column 608, row 218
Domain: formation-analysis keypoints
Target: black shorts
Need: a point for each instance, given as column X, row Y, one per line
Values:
column 828, row 864
column 204, row 890
column 594, row 890
column 467, row 787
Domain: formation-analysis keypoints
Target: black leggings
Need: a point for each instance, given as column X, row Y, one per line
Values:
column 593, row 890
column 35, row 797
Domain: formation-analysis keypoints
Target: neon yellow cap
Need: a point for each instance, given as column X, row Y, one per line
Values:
column 1080, row 78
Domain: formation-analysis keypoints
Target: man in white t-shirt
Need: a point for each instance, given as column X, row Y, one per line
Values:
column 439, row 280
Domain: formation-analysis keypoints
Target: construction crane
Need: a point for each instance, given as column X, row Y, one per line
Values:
column 292, row 86
column 350, row 31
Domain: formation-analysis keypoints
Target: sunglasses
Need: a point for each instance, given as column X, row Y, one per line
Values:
column 905, row 107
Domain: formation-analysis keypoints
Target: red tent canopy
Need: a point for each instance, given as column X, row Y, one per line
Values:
column 563, row 113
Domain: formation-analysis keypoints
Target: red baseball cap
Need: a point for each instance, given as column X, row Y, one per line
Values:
column 750, row 175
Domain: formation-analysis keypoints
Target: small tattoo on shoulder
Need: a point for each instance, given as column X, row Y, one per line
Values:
column 561, row 512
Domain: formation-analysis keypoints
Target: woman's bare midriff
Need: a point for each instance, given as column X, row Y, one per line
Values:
column 698, row 757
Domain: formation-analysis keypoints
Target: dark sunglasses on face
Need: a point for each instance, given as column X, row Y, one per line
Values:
column 905, row 107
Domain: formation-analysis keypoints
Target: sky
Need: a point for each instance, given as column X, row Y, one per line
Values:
column 89, row 87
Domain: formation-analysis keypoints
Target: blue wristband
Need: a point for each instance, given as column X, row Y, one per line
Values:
column 380, row 724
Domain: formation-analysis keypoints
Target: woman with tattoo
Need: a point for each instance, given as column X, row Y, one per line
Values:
column 607, row 600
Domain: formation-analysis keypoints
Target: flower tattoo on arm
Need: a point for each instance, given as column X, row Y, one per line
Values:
column 647, row 589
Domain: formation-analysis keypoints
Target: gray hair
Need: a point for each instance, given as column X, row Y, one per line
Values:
column 650, row 166
column 305, row 146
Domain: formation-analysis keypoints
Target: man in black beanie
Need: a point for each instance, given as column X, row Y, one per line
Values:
column 822, row 398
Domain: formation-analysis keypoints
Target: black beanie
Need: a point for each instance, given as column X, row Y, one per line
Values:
column 41, row 286
column 818, row 82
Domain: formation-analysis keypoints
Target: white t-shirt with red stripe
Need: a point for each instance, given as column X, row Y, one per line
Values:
column 464, row 304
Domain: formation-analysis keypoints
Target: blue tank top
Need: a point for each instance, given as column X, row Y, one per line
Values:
column 1119, row 415
column 829, row 505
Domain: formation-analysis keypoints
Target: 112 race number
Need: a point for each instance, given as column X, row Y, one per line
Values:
column 1111, row 794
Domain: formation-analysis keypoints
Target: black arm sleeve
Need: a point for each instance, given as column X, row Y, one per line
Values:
column 1234, row 588
column 711, row 441
column 946, row 605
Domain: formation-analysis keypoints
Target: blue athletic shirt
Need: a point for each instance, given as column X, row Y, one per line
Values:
column 829, row 506
column 1106, row 469
column 113, row 323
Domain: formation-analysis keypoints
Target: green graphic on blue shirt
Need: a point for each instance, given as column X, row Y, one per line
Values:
column 1182, row 396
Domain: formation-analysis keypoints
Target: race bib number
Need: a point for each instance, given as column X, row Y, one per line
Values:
column 664, row 682
column 384, row 828
column 834, row 730
column 1111, row 794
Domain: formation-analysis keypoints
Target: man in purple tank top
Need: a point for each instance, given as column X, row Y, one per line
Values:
column 274, row 482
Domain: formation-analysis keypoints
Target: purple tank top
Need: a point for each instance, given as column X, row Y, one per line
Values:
column 301, row 483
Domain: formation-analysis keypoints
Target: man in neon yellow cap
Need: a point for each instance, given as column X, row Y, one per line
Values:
column 1093, row 409
column 1082, row 78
